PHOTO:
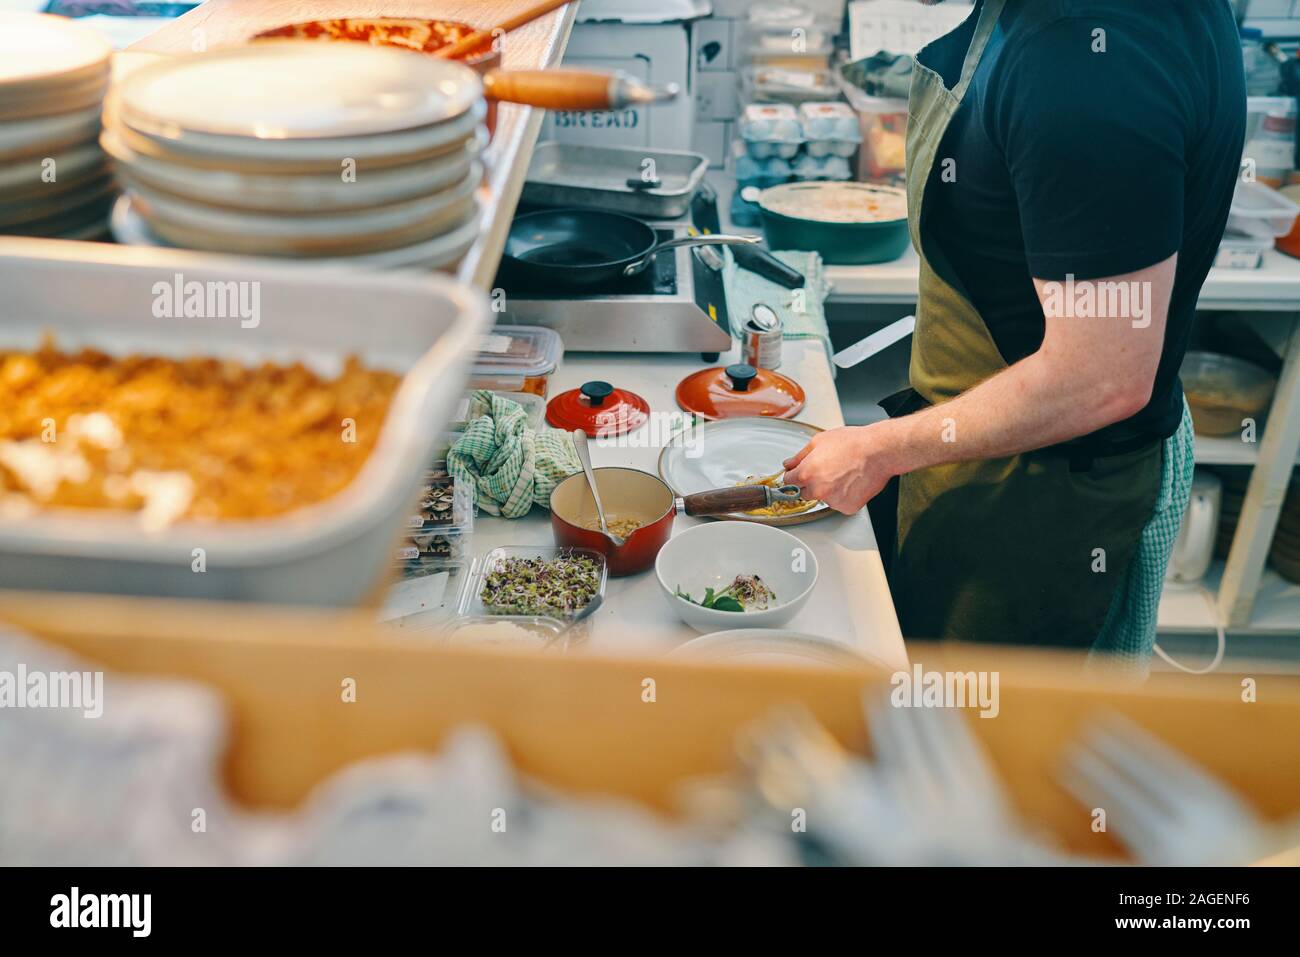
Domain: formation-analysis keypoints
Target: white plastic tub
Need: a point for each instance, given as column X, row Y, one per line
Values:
column 332, row 553
column 1260, row 211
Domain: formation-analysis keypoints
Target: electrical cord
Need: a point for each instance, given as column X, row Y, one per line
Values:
column 1219, row 630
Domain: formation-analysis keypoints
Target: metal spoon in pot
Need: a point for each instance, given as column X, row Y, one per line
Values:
column 584, row 456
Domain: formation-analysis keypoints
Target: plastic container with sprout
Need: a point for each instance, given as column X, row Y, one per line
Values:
column 476, row 601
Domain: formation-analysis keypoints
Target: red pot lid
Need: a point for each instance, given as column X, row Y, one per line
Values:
column 740, row 390
column 598, row 409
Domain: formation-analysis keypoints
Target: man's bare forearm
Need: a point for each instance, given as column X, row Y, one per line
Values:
column 1035, row 403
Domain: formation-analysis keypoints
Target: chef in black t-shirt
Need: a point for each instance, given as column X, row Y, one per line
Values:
column 1071, row 164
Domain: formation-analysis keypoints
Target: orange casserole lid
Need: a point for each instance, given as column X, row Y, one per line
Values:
column 599, row 409
column 740, row 390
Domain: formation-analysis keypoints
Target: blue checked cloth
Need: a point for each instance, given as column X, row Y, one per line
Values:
column 1129, row 633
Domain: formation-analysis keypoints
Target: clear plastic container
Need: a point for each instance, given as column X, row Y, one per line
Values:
column 1242, row 252
column 1262, row 75
column 517, row 359
column 445, row 504
column 468, row 409
column 508, row 632
column 472, row 603
column 428, row 599
column 882, row 129
column 1269, row 151
column 1222, row 391
column 779, row 84
column 439, row 525
column 785, row 33
column 1260, row 211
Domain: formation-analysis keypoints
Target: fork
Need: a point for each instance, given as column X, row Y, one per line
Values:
column 931, row 796
column 1165, row 809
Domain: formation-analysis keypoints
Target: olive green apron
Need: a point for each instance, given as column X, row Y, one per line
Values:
column 1027, row 549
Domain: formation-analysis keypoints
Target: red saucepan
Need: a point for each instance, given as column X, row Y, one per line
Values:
column 630, row 494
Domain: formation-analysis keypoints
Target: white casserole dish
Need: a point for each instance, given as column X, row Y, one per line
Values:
column 335, row 552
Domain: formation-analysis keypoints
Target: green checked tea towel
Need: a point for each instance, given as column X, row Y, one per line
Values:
column 801, row 311
column 1129, row 634
column 510, row 465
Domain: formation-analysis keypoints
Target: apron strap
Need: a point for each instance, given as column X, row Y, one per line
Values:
column 988, row 19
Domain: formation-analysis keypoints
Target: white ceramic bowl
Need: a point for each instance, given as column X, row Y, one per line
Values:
column 712, row 555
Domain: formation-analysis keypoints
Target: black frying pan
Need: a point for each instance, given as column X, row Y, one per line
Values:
column 580, row 248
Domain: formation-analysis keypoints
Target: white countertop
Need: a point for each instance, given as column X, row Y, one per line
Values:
column 851, row 604
column 1275, row 285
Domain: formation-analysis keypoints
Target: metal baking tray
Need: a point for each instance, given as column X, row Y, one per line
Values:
column 335, row 552
column 596, row 177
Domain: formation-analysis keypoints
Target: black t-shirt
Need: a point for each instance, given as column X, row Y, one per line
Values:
column 1098, row 137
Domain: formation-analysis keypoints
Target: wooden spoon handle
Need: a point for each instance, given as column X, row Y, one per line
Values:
column 550, row 89
column 461, row 47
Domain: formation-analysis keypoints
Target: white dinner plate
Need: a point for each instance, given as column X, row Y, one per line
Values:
column 129, row 228
column 765, row 646
column 293, row 192
column 280, row 93
column 452, row 202
column 724, row 453
column 271, row 155
column 56, row 203
column 44, row 133
column 75, row 99
column 42, row 54
column 25, row 176
column 88, row 219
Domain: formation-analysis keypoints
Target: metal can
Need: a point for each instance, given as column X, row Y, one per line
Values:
column 760, row 344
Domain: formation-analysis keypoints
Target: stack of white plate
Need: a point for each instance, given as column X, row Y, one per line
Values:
column 54, row 180
column 338, row 152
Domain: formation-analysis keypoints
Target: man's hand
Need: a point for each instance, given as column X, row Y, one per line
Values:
column 845, row 468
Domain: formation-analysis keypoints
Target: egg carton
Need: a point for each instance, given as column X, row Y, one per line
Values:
column 770, row 130
column 831, row 167
column 748, row 170
column 829, row 129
